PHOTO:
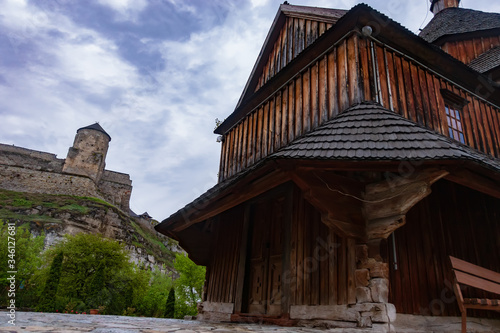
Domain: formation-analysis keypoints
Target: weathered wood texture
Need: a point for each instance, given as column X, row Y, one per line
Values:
column 355, row 70
column 468, row 50
column 222, row 272
column 321, row 269
column 436, row 228
column 295, row 36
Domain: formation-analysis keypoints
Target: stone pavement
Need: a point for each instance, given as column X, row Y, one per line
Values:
column 70, row 323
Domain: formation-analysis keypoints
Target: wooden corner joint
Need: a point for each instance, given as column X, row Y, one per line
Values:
column 386, row 203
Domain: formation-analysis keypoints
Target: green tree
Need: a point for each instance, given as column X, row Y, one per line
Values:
column 50, row 290
column 189, row 285
column 95, row 270
column 27, row 261
column 170, row 306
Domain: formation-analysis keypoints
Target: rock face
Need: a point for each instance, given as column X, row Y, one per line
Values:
column 58, row 215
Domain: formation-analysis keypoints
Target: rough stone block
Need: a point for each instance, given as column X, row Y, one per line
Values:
column 363, row 295
column 361, row 252
column 380, row 290
column 362, row 277
column 365, row 321
column 328, row 312
column 379, row 269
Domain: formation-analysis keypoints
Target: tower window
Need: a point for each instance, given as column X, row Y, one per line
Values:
column 455, row 128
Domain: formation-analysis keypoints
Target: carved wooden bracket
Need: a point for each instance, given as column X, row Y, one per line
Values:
column 386, row 202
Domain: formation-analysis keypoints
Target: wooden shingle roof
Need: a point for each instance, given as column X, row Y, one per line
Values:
column 487, row 61
column 368, row 131
column 454, row 21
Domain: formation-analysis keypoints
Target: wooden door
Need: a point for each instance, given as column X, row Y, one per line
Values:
column 265, row 259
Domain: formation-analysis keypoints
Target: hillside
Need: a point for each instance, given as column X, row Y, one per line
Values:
column 57, row 215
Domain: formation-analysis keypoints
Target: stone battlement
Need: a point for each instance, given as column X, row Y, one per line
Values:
column 26, row 170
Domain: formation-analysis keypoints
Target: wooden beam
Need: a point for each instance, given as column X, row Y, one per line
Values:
column 231, row 197
column 386, row 203
column 475, row 181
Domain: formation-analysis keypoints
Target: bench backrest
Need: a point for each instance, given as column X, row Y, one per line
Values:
column 475, row 276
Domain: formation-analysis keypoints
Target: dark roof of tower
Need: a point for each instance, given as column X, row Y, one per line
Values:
column 486, row 61
column 95, row 127
column 453, row 21
column 369, row 131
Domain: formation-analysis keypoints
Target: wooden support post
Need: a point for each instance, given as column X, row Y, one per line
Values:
column 240, row 279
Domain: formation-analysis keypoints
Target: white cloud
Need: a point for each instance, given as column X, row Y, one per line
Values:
column 126, row 9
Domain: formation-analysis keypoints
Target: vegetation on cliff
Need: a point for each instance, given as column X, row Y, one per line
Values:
column 87, row 271
column 53, row 213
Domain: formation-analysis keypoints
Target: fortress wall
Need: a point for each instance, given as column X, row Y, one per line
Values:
column 20, row 179
column 116, row 193
column 31, row 159
column 116, row 177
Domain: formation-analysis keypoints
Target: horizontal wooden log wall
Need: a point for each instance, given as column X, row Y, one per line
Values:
column 322, row 264
column 468, row 50
column 346, row 76
column 295, row 36
column 222, row 272
column 452, row 220
column 414, row 92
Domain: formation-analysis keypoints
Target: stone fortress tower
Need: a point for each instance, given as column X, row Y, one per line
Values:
column 82, row 173
column 87, row 157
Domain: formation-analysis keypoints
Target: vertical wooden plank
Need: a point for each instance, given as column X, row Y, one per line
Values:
column 333, row 108
column 384, row 87
column 323, row 90
column 308, row 33
column 293, row 247
column 434, row 111
column 290, row 39
column 278, row 121
column 300, row 253
column 364, row 68
column 258, row 134
column 287, row 247
column 391, row 74
column 409, row 90
column 253, row 138
column 236, row 148
column 265, row 129
column 342, row 272
column 306, row 102
column 244, row 146
column 324, row 261
column 272, row 129
column 291, row 111
column 342, row 84
column 242, row 260
column 400, row 86
column 417, row 94
column 353, row 70
column 351, row 268
column 298, row 107
column 332, row 267
column 231, row 152
column 425, row 98
column 315, row 113
column 284, row 117
column 284, row 43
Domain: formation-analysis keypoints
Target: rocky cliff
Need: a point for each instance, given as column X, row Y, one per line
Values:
column 57, row 215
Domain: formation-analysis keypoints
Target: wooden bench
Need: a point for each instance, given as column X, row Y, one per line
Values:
column 476, row 277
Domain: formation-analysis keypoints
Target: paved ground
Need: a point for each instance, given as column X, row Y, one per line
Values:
column 62, row 323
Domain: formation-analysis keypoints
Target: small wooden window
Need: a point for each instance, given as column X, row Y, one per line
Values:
column 455, row 128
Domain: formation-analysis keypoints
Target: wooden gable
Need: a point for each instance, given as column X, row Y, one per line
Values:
column 293, row 30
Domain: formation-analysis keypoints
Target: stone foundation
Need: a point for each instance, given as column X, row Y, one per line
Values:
column 215, row 312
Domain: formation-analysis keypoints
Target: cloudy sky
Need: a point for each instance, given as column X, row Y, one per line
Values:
column 154, row 73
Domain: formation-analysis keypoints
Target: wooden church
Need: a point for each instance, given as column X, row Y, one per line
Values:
column 358, row 158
